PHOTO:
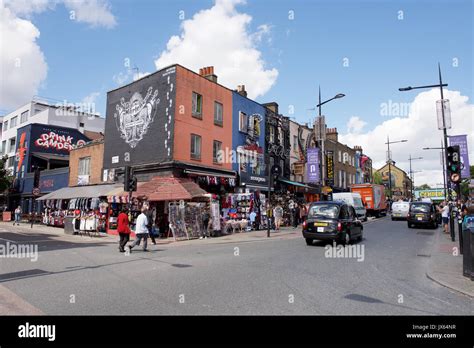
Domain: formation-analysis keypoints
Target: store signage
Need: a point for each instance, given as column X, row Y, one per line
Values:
column 56, row 141
column 298, row 168
column 433, row 193
column 82, row 180
column 20, row 154
column 461, row 141
column 330, row 168
column 312, row 156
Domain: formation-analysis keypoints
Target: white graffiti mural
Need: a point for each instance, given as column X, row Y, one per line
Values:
column 134, row 117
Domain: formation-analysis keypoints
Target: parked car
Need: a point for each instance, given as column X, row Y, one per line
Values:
column 332, row 220
column 422, row 214
column 400, row 210
column 354, row 199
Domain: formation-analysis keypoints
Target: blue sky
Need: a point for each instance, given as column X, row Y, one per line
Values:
column 85, row 57
column 384, row 52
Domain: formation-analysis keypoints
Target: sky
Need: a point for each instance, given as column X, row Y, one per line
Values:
column 281, row 50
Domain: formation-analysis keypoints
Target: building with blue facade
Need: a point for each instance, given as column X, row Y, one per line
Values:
column 248, row 142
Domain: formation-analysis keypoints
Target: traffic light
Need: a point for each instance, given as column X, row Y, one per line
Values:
column 129, row 180
column 454, row 164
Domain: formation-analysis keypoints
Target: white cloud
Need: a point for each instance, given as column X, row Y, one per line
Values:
column 220, row 37
column 123, row 77
column 23, row 66
column 355, row 124
column 421, row 130
column 22, row 63
column 94, row 12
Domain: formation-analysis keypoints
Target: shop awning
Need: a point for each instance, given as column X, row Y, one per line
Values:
column 294, row 183
column 205, row 173
column 91, row 191
column 166, row 188
column 51, row 156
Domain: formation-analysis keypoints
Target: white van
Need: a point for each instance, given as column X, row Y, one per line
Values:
column 354, row 199
column 400, row 210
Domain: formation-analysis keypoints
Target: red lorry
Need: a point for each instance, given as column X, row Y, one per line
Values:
column 373, row 197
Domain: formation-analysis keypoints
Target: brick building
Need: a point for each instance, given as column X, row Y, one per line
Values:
column 85, row 163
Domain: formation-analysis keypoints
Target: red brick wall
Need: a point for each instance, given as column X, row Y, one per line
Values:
column 96, row 152
column 185, row 124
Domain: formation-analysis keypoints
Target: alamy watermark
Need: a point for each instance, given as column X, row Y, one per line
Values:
column 19, row 251
column 355, row 251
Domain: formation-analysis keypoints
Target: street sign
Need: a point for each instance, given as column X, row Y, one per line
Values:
column 455, row 177
column 36, row 191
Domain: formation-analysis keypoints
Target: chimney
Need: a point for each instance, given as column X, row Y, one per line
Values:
column 241, row 90
column 273, row 106
column 331, row 133
column 208, row 73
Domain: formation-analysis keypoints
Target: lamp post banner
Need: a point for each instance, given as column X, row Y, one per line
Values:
column 461, row 141
column 313, row 164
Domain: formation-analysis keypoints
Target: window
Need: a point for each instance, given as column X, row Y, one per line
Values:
column 344, row 213
column 81, row 124
column 13, row 121
column 340, row 156
column 195, row 146
column 218, row 117
column 272, row 134
column 243, row 122
column 24, row 116
column 12, row 144
column 84, row 166
column 11, row 161
column 295, row 143
column 37, row 110
column 216, row 148
column 4, row 147
column 197, row 105
column 5, row 125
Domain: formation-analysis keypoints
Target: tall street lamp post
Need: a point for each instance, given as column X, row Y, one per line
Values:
column 411, row 174
column 445, row 134
column 322, row 128
column 389, row 163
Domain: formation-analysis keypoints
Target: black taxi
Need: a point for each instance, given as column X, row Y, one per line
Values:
column 332, row 220
column 422, row 214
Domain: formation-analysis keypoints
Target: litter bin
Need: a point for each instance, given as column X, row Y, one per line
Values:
column 468, row 253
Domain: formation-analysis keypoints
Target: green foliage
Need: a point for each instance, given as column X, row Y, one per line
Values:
column 377, row 178
column 6, row 177
column 423, row 187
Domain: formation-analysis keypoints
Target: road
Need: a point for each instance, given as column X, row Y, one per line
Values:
column 260, row 277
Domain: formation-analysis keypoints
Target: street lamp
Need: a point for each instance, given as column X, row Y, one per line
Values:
column 445, row 179
column 411, row 173
column 322, row 128
column 389, row 164
column 440, row 85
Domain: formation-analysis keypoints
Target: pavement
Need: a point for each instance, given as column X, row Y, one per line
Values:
column 445, row 265
column 241, row 274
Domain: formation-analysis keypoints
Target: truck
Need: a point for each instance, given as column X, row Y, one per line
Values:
column 373, row 197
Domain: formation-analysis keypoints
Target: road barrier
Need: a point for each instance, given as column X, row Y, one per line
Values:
column 468, row 253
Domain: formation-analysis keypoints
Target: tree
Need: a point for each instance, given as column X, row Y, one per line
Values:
column 6, row 178
column 423, row 187
column 377, row 178
column 465, row 184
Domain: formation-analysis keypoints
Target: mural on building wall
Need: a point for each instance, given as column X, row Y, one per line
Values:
column 140, row 118
column 134, row 117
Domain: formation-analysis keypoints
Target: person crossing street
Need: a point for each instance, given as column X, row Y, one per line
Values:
column 141, row 230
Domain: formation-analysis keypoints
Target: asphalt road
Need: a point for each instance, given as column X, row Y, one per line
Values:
column 260, row 277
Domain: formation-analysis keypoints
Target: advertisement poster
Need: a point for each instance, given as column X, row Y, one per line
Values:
column 461, row 140
column 313, row 165
column 330, row 168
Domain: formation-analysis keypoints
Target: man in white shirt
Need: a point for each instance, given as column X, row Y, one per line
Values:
column 252, row 217
column 141, row 230
column 445, row 216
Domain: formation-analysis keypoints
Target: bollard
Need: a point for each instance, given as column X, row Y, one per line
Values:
column 452, row 215
column 461, row 237
column 468, row 253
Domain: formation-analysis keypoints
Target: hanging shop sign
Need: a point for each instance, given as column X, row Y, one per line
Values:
column 313, row 164
column 461, row 141
column 330, row 168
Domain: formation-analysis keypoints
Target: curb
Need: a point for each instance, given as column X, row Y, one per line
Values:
column 446, row 285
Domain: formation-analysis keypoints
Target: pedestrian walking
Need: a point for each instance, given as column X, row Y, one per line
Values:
column 278, row 214
column 205, row 224
column 150, row 224
column 17, row 216
column 141, row 230
column 296, row 216
column 123, row 230
column 252, row 217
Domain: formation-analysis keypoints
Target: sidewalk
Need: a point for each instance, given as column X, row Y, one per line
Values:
column 445, row 268
column 242, row 237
